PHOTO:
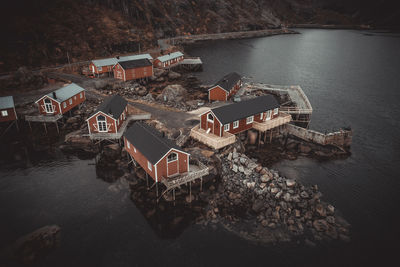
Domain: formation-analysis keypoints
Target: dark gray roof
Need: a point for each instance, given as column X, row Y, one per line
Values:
column 131, row 64
column 244, row 109
column 228, row 81
column 149, row 141
column 113, row 105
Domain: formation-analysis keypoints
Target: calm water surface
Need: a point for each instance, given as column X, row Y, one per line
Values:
column 350, row 78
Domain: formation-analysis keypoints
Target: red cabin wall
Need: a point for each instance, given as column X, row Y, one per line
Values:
column 12, row 116
column 132, row 74
column 168, row 63
column 76, row 100
column 205, row 124
column 42, row 109
column 140, row 159
column 182, row 166
column 92, row 123
column 217, row 94
column 104, row 69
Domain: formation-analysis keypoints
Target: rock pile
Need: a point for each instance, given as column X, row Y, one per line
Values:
column 249, row 189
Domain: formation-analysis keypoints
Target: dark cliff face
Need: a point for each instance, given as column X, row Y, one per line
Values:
column 40, row 32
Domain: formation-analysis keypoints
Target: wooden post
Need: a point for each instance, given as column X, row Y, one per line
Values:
column 270, row 136
column 259, row 138
column 201, row 184
column 147, row 181
column 30, row 127
column 265, row 137
column 45, row 128
column 16, row 124
column 190, row 191
column 157, row 190
column 58, row 131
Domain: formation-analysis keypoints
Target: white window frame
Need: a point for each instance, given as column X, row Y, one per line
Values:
column 268, row 115
column 249, row 119
column 70, row 101
column 102, row 122
column 99, row 68
column 127, row 144
column 276, row 110
column 149, row 166
column 261, row 115
column 176, row 158
column 227, row 127
column 48, row 106
column 64, row 104
column 209, row 119
column 81, row 95
column 134, row 149
column 74, row 97
column 4, row 113
column 235, row 124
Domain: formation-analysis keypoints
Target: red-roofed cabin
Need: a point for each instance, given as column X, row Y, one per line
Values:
column 61, row 100
column 109, row 116
column 133, row 69
column 225, row 88
column 7, row 109
column 156, row 154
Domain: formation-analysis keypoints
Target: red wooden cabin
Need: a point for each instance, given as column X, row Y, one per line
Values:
column 61, row 100
column 239, row 117
column 156, row 154
column 109, row 116
column 133, row 69
column 105, row 65
column 7, row 109
column 225, row 88
column 168, row 60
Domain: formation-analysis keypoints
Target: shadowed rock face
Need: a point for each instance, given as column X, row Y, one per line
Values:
column 44, row 31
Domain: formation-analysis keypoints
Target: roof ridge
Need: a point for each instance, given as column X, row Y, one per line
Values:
column 153, row 134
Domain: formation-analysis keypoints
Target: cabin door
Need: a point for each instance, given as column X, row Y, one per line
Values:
column 48, row 106
column 210, row 123
column 172, row 164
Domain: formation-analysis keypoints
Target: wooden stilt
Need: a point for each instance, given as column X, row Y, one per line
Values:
column 270, row 136
column 201, row 184
column 190, row 191
column 259, row 138
column 265, row 137
column 45, row 128
column 157, row 189
column 30, row 127
column 16, row 124
column 58, row 131
column 147, row 181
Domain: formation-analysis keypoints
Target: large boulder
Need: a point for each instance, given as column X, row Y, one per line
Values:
column 173, row 75
column 173, row 93
column 159, row 72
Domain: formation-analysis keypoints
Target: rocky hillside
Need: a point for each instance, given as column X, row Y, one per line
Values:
column 42, row 32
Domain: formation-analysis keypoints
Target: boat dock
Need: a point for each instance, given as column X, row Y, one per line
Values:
column 300, row 108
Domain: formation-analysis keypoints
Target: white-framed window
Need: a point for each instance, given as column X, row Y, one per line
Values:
column 127, row 144
column 276, row 111
column 102, row 123
column 99, row 68
column 149, row 166
column 210, row 117
column 74, row 97
column 235, row 124
column 172, row 157
column 81, row 95
column 226, row 127
column 117, row 122
column 134, row 149
column 64, row 104
column 70, row 101
column 268, row 115
column 261, row 115
column 48, row 106
column 249, row 119
column 4, row 113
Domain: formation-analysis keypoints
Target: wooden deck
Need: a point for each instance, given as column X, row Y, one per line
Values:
column 283, row 118
column 43, row 118
column 114, row 136
column 212, row 140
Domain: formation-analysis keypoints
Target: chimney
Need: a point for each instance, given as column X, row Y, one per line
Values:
column 117, row 57
column 54, row 95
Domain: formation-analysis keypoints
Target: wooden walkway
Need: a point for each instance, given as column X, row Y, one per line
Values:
column 197, row 171
column 114, row 136
column 43, row 118
column 210, row 139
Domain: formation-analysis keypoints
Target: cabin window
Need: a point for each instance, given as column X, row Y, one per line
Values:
column 4, row 113
column 268, row 115
column 48, row 106
column 74, row 97
column 99, row 68
column 81, row 95
column 64, row 104
column 235, row 124
column 276, row 111
column 149, row 166
column 249, row 119
column 261, row 115
column 226, row 127
column 127, row 144
column 210, row 117
column 70, row 101
column 172, row 157
column 102, row 123
column 134, row 149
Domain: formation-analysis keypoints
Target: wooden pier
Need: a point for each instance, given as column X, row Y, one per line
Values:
column 196, row 171
column 301, row 111
column 44, row 119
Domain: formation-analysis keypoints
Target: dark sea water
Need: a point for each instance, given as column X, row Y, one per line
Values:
column 351, row 79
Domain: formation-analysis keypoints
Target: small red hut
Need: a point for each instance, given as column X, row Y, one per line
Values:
column 7, row 109
column 225, row 88
column 156, row 154
column 105, row 65
column 61, row 100
column 239, row 117
column 133, row 69
column 109, row 116
column 168, row 60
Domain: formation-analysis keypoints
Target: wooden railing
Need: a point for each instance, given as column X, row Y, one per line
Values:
column 283, row 118
column 212, row 140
